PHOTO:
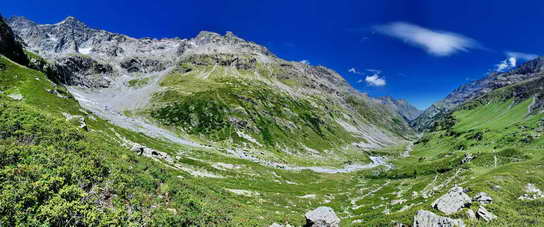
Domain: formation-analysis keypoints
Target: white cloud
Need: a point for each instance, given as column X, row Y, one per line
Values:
column 307, row 62
column 375, row 80
column 437, row 43
column 512, row 59
column 355, row 71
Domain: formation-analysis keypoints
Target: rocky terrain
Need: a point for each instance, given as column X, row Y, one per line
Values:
column 401, row 106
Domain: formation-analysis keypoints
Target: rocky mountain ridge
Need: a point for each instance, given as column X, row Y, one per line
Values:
column 475, row 89
column 401, row 106
column 114, row 73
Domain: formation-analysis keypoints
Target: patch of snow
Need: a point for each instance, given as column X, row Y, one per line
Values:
column 85, row 50
column 225, row 166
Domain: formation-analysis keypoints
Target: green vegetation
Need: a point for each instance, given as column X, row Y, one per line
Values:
column 53, row 173
column 225, row 106
column 138, row 83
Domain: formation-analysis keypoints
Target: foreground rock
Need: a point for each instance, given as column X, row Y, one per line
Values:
column 425, row 218
column 484, row 214
column 453, row 201
column 322, row 217
column 280, row 225
column 483, row 198
column 532, row 193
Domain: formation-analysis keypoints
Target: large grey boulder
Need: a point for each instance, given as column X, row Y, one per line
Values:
column 484, row 214
column 425, row 218
column 322, row 217
column 483, row 198
column 452, row 201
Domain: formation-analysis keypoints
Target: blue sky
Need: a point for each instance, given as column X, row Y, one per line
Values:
column 419, row 50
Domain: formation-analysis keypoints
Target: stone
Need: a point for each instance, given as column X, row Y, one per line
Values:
column 471, row 215
column 452, row 201
column 280, row 225
column 322, row 217
column 482, row 198
column 532, row 193
column 425, row 218
column 484, row 214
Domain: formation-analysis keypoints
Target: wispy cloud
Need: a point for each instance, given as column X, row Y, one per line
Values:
column 355, row 71
column 512, row 59
column 307, row 62
column 375, row 80
column 437, row 43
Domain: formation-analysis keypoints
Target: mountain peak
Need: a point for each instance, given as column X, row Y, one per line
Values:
column 72, row 21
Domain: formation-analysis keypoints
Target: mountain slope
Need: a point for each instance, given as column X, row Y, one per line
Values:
column 478, row 88
column 402, row 107
column 9, row 46
column 258, row 99
column 62, row 166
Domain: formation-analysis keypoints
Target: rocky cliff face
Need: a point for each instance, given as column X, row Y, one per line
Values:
column 9, row 47
column 475, row 89
column 128, row 74
column 401, row 106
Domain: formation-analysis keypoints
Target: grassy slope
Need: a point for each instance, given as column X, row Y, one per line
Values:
column 53, row 172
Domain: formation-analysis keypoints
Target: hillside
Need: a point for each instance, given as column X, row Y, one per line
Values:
column 476, row 89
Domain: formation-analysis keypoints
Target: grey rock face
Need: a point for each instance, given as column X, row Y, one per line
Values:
column 425, row 218
column 452, row 201
column 322, row 217
column 401, row 106
column 483, row 198
column 83, row 71
column 485, row 215
column 9, row 46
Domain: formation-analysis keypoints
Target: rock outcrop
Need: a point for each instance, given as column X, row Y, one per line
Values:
column 9, row 46
column 425, row 218
column 322, row 217
column 453, row 201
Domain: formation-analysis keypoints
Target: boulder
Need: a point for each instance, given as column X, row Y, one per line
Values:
column 532, row 193
column 425, row 218
column 322, row 217
column 452, row 201
column 482, row 198
column 471, row 215
column 484, row 214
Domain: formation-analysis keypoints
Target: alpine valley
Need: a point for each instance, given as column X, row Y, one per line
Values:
column 102, row 129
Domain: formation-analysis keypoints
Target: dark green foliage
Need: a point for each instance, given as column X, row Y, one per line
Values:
column 252, row 107
column 54, row 174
